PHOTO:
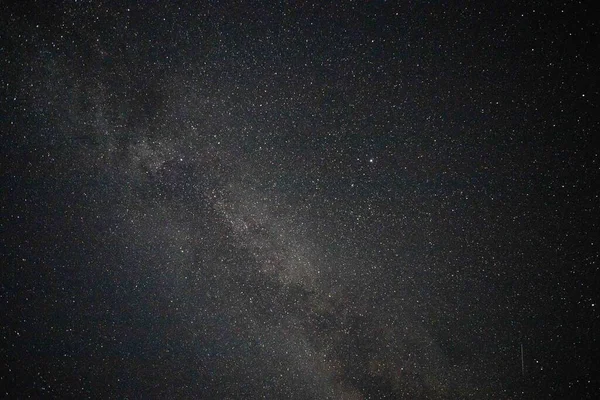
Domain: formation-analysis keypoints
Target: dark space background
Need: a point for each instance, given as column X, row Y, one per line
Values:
column 299, row 200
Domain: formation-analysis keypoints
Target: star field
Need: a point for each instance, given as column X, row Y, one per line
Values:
column 299, row 200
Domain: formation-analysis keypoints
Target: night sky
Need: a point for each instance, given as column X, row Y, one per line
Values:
column 299, row 200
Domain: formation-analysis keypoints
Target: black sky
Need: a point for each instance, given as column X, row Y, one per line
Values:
column 308, row 200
